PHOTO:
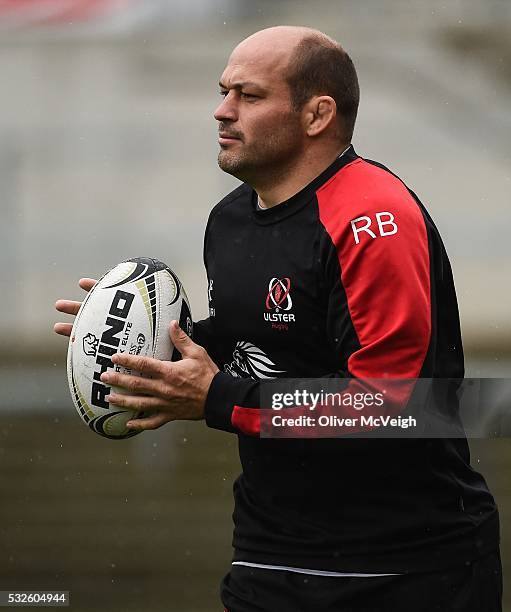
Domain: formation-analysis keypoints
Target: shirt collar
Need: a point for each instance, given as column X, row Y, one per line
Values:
column 274, row 214
column 264, row 208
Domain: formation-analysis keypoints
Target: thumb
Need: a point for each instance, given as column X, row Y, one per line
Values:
column 180, row 339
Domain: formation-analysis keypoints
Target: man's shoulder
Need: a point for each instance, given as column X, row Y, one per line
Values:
column 243, row 192
column 362, row 187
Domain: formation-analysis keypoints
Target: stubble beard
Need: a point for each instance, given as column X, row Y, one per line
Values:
column 268, row 158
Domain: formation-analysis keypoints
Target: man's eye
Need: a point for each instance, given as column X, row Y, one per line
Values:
column 248, row 95
column 223, row 93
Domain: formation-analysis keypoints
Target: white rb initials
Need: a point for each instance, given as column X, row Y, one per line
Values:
column 380, row 216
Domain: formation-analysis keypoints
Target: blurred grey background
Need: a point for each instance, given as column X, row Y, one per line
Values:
column 108, row 151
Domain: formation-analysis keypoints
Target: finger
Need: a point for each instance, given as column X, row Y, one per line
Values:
column 68, row 306
column 148, row 365
column 180, row 339
column 63, row 329
column 137, row 384
column 152, row 422
column 134, row 402
column 87, row 283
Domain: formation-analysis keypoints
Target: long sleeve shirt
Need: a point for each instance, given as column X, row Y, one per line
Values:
column 348, row 278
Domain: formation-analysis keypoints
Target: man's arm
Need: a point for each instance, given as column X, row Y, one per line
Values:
column 379, row 314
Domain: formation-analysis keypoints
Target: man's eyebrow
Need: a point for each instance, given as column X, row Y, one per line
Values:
column 241, row 84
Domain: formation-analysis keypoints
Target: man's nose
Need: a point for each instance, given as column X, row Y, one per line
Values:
column 226, row 111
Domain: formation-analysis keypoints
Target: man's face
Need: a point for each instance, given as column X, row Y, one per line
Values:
column 259, row 132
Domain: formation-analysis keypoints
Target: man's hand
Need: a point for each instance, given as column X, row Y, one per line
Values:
column 71, row 307
column 170, row 390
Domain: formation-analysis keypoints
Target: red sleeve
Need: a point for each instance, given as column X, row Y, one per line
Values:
column 381, row 241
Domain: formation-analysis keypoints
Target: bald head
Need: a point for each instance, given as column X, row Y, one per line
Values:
column 275, row 46
column 310, row 63
column 283, row 39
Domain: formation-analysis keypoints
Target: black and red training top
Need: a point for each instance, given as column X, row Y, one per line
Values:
column 348, row 278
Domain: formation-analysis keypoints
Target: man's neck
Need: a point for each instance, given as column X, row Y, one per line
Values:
column 296, row 179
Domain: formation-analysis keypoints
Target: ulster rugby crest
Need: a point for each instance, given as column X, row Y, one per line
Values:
column 279, row 303
column 279, row 297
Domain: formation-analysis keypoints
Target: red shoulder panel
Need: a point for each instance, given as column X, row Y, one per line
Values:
column 382, row 246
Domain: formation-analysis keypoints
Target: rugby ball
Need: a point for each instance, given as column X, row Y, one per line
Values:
column 128, row 310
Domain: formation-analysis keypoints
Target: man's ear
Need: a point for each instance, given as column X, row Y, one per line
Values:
column 319, row 113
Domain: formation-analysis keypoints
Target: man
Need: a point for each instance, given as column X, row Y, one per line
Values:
column 323, row 264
